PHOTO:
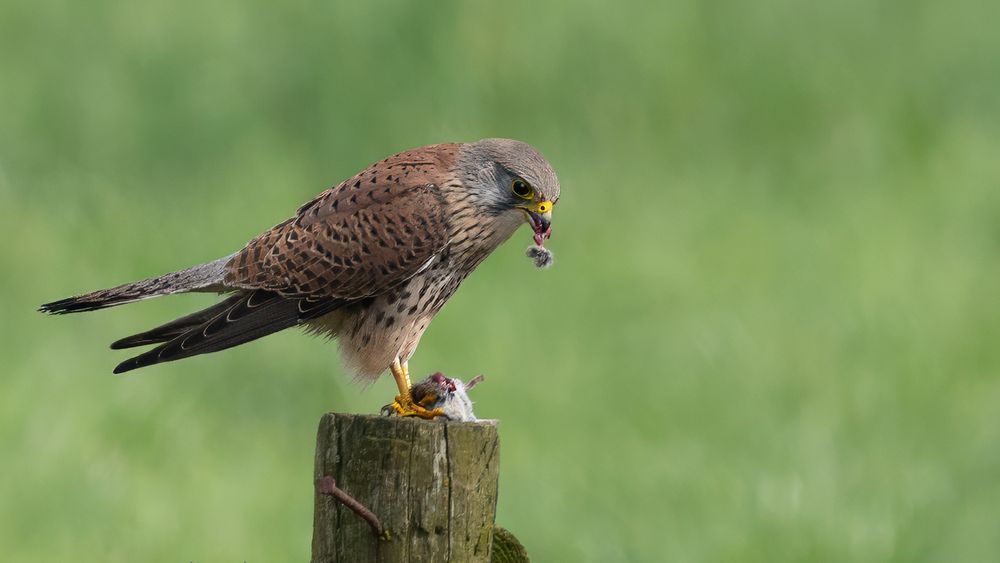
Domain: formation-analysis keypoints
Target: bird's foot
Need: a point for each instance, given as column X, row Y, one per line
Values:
column 404, row 406
column 436, row 396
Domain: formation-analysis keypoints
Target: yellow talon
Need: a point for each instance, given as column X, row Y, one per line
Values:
column 404, row 405
column 412, row 409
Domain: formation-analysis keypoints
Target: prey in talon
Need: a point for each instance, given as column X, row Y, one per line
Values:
column 445, row 396
column 369, row 262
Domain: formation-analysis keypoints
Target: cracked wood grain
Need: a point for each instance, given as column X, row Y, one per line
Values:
column 432, row 484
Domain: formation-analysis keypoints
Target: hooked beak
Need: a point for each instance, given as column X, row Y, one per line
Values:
column 540, row 217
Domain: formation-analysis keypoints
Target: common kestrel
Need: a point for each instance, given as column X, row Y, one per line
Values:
column 370, row 261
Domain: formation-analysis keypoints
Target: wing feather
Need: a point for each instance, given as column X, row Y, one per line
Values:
column 357, row 239
column 247, row 316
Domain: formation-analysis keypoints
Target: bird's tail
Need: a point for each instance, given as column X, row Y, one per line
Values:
column 204, row 277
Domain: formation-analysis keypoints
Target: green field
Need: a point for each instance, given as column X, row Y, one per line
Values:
column 771, row 332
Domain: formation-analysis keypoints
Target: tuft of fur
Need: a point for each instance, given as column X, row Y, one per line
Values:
column 541, row 255
column 204, row 277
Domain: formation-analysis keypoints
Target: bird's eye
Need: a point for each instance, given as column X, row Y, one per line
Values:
column 521, row 189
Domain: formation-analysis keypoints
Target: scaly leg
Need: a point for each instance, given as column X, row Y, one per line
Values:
column 404, row 405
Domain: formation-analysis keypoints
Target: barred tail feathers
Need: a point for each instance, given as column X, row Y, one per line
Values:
column 204, row 277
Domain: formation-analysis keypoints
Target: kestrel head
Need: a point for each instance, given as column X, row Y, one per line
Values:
column 511, row 182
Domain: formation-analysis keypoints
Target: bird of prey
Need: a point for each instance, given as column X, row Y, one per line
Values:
column 369, row 261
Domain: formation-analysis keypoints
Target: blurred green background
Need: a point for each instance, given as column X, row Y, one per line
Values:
column 770, row 333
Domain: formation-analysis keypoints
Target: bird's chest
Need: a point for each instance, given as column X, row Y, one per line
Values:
column 393, row 323
column 406, row 310
column 427, row 292
column 441, row 280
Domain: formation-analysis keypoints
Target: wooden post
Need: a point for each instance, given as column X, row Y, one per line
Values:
column 432, row 484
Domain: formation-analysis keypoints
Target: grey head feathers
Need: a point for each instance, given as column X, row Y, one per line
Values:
column 489, row 166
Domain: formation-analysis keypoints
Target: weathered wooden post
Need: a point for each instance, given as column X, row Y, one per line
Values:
column 432, row 485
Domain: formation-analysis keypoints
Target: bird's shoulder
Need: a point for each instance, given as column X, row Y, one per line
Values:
column 384, row 181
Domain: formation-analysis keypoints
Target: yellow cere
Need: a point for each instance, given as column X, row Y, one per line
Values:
column 540, row 207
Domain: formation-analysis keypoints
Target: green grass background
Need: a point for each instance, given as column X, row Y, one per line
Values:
column 771, row 333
